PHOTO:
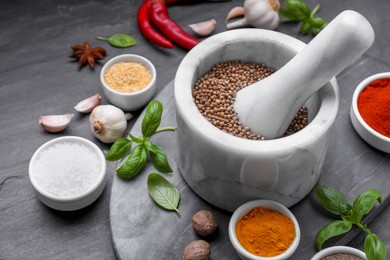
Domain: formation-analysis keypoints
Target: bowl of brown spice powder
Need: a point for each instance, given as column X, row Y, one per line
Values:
column 220, row 158
column 340, row 253
column 129, row 81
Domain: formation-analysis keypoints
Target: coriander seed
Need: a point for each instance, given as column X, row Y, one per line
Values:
column 214, row 95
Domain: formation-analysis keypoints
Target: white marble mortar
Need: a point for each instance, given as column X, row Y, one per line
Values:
column 228, row 171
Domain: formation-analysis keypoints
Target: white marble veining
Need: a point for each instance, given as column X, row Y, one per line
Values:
column 226, row 170
column 268, row 106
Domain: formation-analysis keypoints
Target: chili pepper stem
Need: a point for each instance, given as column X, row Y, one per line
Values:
column 167, row 128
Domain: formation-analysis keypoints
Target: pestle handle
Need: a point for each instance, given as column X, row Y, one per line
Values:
column 269, row 106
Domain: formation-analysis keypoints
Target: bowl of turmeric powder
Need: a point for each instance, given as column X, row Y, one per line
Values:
column 129, row 81
column 370, row 111
column 264, row 230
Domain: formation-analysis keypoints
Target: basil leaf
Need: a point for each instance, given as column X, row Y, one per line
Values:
column 330, row 198
column 149, row 146
column 160, row 160
column 121, row 40
column 152, row 118
column 347, row 212
column 119, row 149
column 291, row 2
column 303, row 8
column 136, row 139
column 374, row 248
column 299, row 10
column 287, row 14
column 305, row 27
column 335, row 228
column 134, row 163
column 317, row 22
column 315, row 31
column 366, row 201
column 163, row 193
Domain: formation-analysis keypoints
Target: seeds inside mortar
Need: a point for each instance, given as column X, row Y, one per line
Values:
column 215, row 91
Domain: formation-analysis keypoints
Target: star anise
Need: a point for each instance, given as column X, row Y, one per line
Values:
column 84, row 54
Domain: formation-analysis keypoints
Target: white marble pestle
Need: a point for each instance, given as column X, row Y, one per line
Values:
column 269, row 106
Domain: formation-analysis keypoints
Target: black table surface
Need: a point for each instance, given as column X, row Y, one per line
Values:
column 37, row 78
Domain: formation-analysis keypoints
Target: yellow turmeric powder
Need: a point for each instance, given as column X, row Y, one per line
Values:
column 265, row 232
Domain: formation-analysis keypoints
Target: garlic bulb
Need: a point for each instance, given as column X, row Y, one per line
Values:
column 108, row 123
column 55, row 123
column 257, row 13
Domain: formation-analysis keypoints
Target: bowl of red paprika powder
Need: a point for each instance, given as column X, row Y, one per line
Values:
column 370, row 110
column 264, row 230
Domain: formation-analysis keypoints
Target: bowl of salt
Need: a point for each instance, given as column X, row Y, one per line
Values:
column 68, row 173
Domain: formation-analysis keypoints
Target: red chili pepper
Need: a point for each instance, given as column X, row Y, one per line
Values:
column 181, row 2
column 146, row 28
column 184, row 2
column 159, row 14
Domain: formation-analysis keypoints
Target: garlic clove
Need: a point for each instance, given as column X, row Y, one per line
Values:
column 55, row 123
column 128, row 116
column 204, row 28
column 235, row 12
column 88, row 104
column 237, row 24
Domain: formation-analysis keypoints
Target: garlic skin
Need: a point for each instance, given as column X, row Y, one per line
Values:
column 88, row 104
column 55, row 123
column 108, row 123
column 204, row 28
column 258, row 13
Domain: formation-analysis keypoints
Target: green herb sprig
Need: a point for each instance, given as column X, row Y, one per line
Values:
column 119, row 40
column 163, row 193
column 298, row 11
column 137, row 159
column 335, row 202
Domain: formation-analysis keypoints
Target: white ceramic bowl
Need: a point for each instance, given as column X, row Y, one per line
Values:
column 228, row 171
column 243, row 210
column 339, row 250
column 129, row 101
column 368, row 134
column 68, row 173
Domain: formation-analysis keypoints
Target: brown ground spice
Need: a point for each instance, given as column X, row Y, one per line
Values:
column 342, row 256
column 215, row 91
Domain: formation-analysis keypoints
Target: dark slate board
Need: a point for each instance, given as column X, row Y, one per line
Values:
column 141, row 230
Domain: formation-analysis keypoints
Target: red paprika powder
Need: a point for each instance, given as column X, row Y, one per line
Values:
column 374, row 105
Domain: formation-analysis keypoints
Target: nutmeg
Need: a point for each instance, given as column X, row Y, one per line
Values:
column 197, row 250
column 204, row 222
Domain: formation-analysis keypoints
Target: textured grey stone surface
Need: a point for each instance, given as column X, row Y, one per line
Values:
column 38, row 78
